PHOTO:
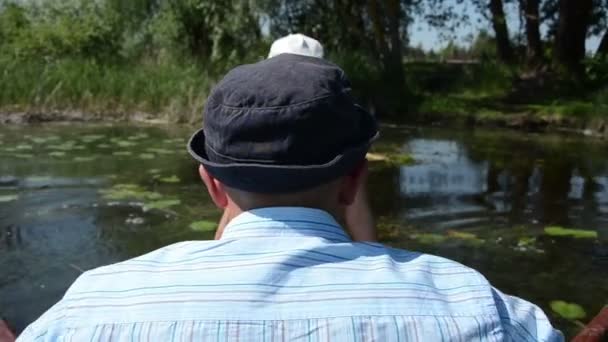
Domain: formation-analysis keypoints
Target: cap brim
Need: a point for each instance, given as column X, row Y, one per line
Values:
column 273, row 178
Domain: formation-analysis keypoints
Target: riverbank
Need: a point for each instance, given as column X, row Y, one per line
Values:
column 174, row 91
column 596, row 127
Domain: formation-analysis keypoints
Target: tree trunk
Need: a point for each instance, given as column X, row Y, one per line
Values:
column 499, row 23
column 378, row 27
column 602, row 50
column 534, row 51
column 395, row 57
column 574, row 16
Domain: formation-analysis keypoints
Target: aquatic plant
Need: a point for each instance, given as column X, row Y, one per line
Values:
column 203, row 226
column 8, row 198
column 570, row 311
column 568, row 232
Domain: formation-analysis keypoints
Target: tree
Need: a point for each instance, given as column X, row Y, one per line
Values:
column 602, row 50
column 534, row 49
column 499, row 23
column 574, row 19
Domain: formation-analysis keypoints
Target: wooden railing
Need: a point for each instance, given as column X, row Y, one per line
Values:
column 596, row 330
column 6, row 334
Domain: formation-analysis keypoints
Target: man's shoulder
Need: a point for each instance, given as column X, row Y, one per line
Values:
column 133, row 271
column 427, row 263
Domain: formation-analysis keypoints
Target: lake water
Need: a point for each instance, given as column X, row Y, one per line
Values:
column 76, row 197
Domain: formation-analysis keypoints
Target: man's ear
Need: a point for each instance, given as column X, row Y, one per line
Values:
column 352, row 182
column 214, row 187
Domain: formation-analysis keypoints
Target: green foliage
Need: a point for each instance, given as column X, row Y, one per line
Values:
column 597, row 70
column 61, row 28
column 203, row 226
column 76, row 83
column 567, row 232
column 570, row 311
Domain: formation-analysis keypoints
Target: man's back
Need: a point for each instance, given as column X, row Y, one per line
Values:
column 287, row 274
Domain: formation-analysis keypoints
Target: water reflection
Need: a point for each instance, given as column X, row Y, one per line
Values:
column 451, row 186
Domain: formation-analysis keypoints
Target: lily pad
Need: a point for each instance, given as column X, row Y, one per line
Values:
column 125, row 144
column 8, row 198
column 466, row 236
column 129, row 191
column 122, row 153
column 203, row 226
column 104, row 146
column 574, row 233
column 57, row 154
column 91, row 137
column 570, row 311
column 84, row 159
column 24, row 147
column 66, row 146
column 24, row 155
column 146, row 156
column 159, row 150
column 162, row 204
column 429, row 238
column 38, row 140
column 173, row 179
column 155, row 171
column 526, row 241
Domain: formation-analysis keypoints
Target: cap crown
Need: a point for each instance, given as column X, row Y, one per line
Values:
column 287, row 110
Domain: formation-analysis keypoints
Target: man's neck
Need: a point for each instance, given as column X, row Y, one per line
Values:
column 232, row 211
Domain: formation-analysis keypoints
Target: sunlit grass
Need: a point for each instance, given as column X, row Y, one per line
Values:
column 174, row 89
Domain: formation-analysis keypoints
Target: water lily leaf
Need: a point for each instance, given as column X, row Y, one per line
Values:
column 66, row 146
column 574, row 233
column 159, row 150
column 429, row 238
column 57, row 154
column 526, row 241
column 203, row 226
column 8, row 198
column 122, row 153
column 104, row 146
column 146, row 156
column 129, row 191
column 155, row 171
column 466, row 236
column 91, row 137
column 24, row 147
column 39, row 140
column 84, row 159
column 172, row 179
column 162, row 204
column 138, row 136
column 24, row 155
column 570, row 311
column 125, row 143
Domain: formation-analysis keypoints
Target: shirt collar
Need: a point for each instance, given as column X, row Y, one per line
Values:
column 285, row 222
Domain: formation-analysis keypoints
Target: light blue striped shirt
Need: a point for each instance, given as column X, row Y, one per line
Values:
column 287, row 274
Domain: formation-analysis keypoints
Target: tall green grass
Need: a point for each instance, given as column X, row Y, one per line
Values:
column 174, row 89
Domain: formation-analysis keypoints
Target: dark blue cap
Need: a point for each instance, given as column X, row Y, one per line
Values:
column 285, row 124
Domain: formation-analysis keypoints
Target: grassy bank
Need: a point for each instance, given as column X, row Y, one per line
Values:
column 173, row 90
column 486, row 94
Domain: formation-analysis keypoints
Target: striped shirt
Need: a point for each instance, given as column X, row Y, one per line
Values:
column 287, row 274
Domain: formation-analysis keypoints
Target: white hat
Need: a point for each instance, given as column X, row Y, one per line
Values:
column 297, row 44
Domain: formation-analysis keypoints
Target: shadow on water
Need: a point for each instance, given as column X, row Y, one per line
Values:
column 74, row 199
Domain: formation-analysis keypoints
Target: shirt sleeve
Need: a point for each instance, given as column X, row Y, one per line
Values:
column 45, row 328
column 524, row 321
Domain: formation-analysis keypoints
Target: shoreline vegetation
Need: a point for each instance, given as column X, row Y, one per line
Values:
column 156, row 61
column 441, row 93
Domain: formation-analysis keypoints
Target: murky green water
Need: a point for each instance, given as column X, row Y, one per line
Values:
column 77, row 197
